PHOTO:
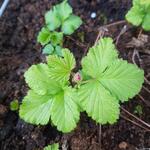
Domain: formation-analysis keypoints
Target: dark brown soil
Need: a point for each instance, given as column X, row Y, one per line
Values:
column 19, row 49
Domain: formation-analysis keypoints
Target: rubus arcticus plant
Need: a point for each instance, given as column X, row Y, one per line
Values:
column 60, row 21
column 103, row 83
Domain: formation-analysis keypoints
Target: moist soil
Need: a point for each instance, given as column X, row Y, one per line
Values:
column 19, row 50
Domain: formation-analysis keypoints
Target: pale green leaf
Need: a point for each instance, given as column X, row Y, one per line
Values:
column 98, row 102
column 65, row 112
column 48, row 49
column 99, row 57
column 122, row 79
column 36, row 109
column 60, row 68
column 135, row 15
column 44, row 36
column 64, row 10
column 71, row 24
column 52, row 147
column 37, row 77
column 58, row 51
column 52, row 20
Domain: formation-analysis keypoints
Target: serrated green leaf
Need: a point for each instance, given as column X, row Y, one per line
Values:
column 65, row 113
column 48, row 49
column 52, row 20
column 60, row 68
column 98, row 102
column 63, row 10
column 44, row 36
column 122, row 79
column 146, row 21
column 52, row 147
column 99, row 57
column 56, row 38
column 39, row 80
column 71, row 24
column 35, row 108
column 135, row 15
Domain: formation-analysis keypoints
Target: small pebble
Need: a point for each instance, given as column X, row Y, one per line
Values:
column 123, row 145
column 93, row 15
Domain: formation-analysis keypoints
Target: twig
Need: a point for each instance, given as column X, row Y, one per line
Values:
column 146, row 102
column 134, row 123
column 3, row 7
column 100, row 136
column 148, row 82
column 146, row 89
column 115, row 23
column 130, row 114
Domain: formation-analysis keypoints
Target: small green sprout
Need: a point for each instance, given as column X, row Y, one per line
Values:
column 59, row 20
column 139, row 14
column 106, row 81
column 52, row 147
column 138, row 110
column 14, row 105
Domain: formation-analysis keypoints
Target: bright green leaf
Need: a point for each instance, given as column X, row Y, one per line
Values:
column 64, row 10
column 56, row 38
column 71, row 24
column 65, row 112
column 52, row 20
column 60, row 68
column 146, row 21
column 38, row 79
column 36, row 109
column 122, row 79
column 14, row 105
column 99, row 57
column 48, row 49
column 52, row 147
column 98, row 102
column 135, row 15
column 44, row 36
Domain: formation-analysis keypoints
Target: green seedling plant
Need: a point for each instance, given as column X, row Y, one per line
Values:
column 139, row 14
column 14, row 105
column 105, row 82
column 59, row 21
column 54, row 146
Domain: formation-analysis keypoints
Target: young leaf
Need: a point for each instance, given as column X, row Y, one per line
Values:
column 65, row 113
column 35, row 108
column 58, row 51
column 99, row 57
column 52, row 20
column 52, row 147
column 39, row 80
column 60, row 68
column 44, row 36
column 122, row 79
column 98, row 102
column 56, row 38
column 71, row 24
column 64, row 10
column 48, row 49
column 14, row 105
column 146, row 21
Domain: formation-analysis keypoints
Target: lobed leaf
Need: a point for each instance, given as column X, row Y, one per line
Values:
column 60, row 68
column 98, row 102
column 56, row 38
column 99, row 57
column 48, row 49
column 71, row 24
column 35, row 108
column 44, row 36
column 122, row 79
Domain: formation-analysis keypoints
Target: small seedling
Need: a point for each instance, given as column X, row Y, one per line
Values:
column 105, row 82
column 139, row 14
column 138, row 110
column 14, row 105
column 52, row 147
column 59, row 20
